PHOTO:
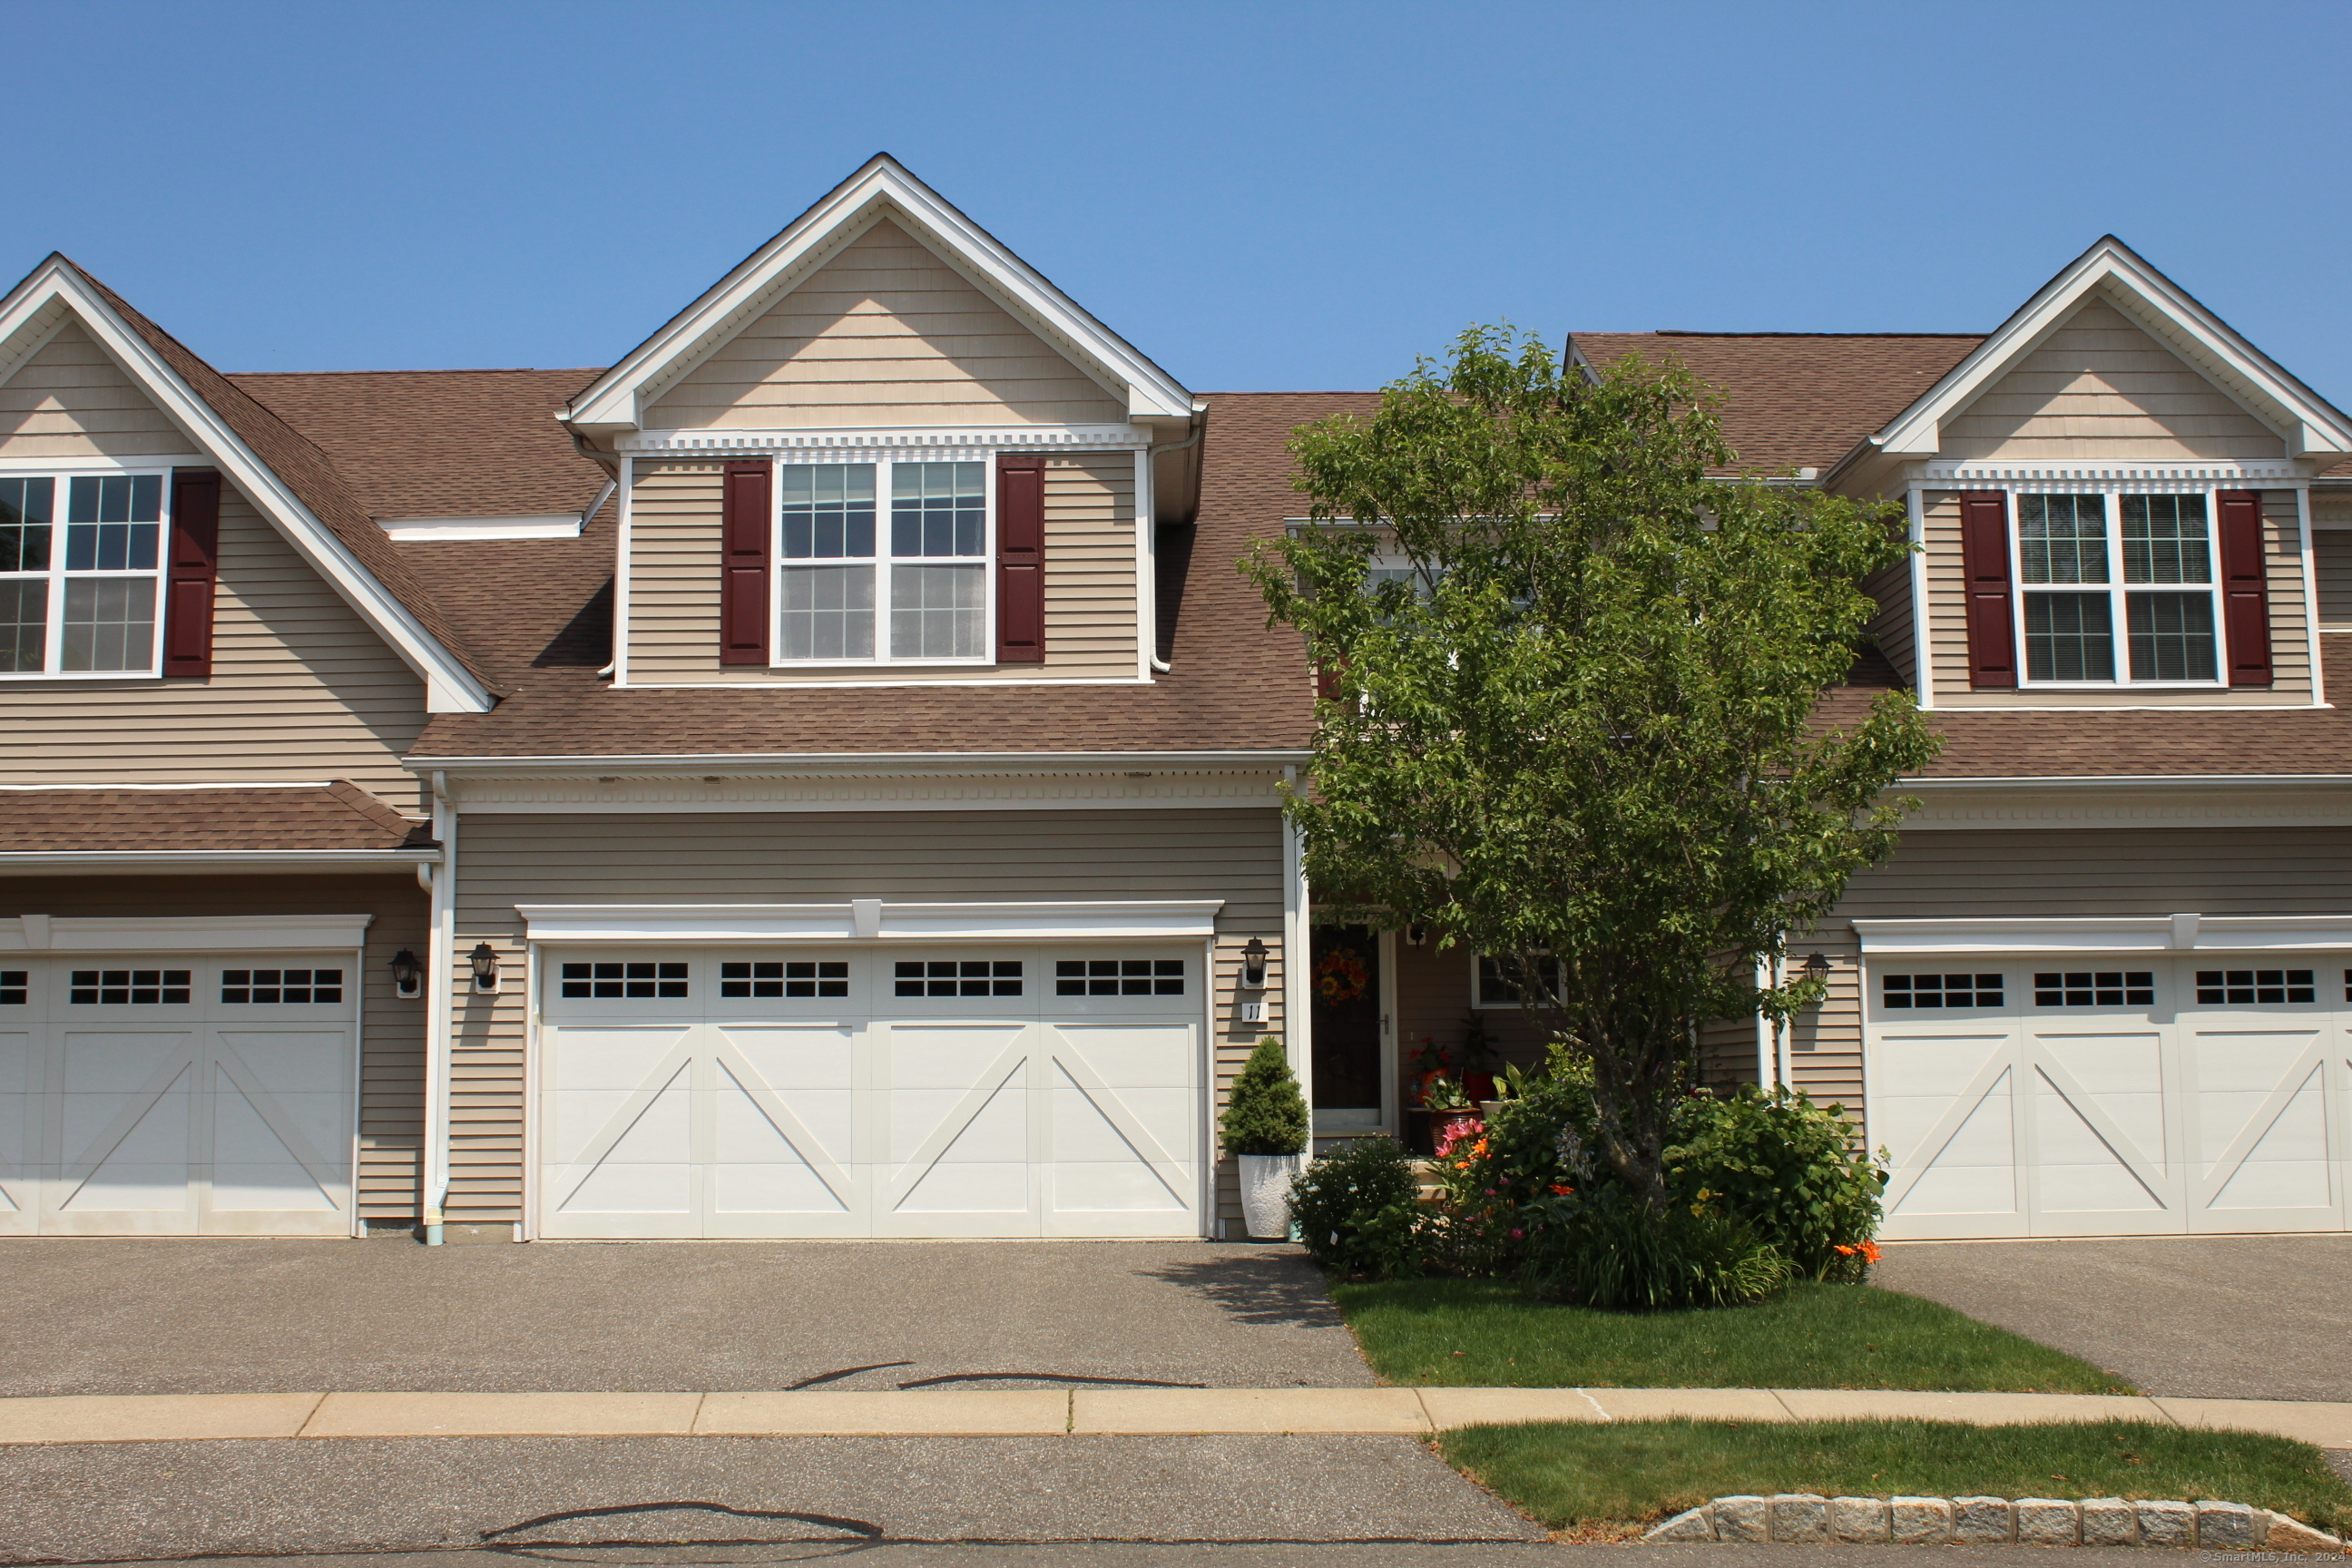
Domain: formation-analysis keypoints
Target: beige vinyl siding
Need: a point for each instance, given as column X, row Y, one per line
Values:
column 2100, row 387
column 1947, row 622
column 2331, row 559
column 392, row 1031
column 820, row 858
column 1890, row 588
column 885, row 333
column 301, row 689
column 69, row 400
column 1091, row 590
column 2060, row 872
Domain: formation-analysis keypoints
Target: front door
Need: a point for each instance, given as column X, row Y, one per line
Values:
column 1350, row 1029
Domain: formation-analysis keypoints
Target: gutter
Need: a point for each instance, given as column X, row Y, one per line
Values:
column 170, row 860
column 2131, row 781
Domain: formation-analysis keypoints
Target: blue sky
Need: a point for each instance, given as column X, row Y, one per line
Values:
column 1260, row 196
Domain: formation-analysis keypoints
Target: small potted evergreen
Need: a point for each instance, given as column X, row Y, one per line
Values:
column 1265, row 1128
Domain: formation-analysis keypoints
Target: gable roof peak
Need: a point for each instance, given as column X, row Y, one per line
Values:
column 275, row 467
column 880, row 188
column 2310, row 425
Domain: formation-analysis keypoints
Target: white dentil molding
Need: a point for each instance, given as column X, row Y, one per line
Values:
column 2280, row 473
column 870, row 920
column 918, row 442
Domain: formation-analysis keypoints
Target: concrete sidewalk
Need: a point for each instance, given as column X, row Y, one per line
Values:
column 1084, row 1412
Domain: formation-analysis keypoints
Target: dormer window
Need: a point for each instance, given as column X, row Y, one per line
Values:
column 841, row 577
column 2093, row 565
column 80, row 595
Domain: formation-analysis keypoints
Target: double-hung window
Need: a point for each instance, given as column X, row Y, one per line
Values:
column 916, row 591
column 81, row 559
column 2117, row 589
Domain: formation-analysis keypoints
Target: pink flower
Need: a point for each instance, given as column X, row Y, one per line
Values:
column 1518, row 1235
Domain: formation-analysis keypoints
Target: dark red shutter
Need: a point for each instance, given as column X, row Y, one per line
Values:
column 189, row 570
column 743, row 565
column 2245, row 588
column 1020, row 558
column 1984, row 555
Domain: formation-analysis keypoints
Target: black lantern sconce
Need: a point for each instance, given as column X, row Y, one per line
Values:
column 1254, row 966
column 484, row 962
column 408, row 974
column 1816, row 967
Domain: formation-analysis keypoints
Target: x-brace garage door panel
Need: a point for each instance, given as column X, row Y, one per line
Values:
column 993, row 1091
column 2062, row 1096
column 170, row 1095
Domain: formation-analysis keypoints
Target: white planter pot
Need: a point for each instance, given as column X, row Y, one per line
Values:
column 1266, row 1193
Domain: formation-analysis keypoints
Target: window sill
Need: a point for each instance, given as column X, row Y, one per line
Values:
column 75, row 677
column 879, row 666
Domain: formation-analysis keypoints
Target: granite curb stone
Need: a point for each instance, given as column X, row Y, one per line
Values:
column 1811, row 1519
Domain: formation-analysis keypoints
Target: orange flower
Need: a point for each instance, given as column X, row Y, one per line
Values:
column 1561, row 1190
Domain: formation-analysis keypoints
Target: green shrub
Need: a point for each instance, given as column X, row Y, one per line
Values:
column 1607, row 1250
column 1264, row 1114
column 1358, row 1211
column 1790, row 1168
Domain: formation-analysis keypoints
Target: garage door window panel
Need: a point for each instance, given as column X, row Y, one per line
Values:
column 2255, row 987
column 958, row 977
column 2095, row 988
column 129, row 988
column 788, row 978
column 280, row 987
column 1118, row 977
column 1926, row 991
column 629, row 981
column 15, row 987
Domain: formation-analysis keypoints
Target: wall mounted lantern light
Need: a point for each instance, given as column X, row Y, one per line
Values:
column 1816, row 967
column 1254, row 966
column 485, row 962
column 408, row 974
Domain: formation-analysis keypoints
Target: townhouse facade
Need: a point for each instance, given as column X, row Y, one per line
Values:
column 820, row 776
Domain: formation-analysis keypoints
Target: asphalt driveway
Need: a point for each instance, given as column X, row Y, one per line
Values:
column 2253, row 1316
column 134, row 1316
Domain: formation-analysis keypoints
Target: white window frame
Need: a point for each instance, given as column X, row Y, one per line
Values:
column 880, row 561
column 63, row 473
column 1478, row 985
column 2119, row 609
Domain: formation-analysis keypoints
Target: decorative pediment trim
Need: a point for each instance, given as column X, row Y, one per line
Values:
column 2308, row 422
column 883, row 188
column 920, row 441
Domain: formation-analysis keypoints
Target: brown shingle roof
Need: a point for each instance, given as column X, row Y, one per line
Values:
column 1235, row 685
column 1797, row 400
column 340, row 815
column 440, row 443
column 304, row 468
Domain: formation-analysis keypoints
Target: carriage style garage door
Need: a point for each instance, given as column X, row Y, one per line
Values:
column 153, row 1094
column 2111, row 1095
column 827, row 1090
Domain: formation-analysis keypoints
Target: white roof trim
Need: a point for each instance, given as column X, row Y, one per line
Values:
column 2141, row 934
column 414, row 530
column 870, row 920
column 620, row 396
column 180, row 933
column 147, row 861
column 852, row 763
column 450, row 687
column 2310, row 424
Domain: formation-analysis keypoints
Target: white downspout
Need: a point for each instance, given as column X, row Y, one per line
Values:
column 442, row 974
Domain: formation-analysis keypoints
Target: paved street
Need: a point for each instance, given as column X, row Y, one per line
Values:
column 1192, row 1554
column 2204, row 1317
column 124, row 1316
column 175, row 1499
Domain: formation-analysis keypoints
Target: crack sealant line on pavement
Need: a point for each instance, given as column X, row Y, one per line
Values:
column 1077, row 1411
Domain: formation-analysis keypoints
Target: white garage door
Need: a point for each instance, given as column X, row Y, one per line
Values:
column 2065, row 1096
column 953, row 1093
column 154, row 1094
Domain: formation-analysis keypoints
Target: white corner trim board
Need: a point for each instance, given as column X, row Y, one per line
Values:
column 869, row 920
column 426, row 530
column 180, row 933
column 2140, row 933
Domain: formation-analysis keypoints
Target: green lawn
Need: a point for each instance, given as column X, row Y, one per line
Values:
column 1566, row 1475
column 1486, row 1334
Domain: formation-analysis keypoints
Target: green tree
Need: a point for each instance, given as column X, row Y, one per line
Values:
column 1264, row 1113
column 1576, row 718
